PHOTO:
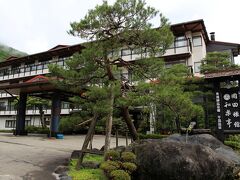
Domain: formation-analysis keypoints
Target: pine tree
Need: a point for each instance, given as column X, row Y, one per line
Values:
column 96, row 72
column 217, row 61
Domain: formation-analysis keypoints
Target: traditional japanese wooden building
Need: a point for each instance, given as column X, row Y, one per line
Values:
column 27, row 75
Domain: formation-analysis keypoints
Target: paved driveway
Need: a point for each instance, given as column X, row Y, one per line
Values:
column 35, row 157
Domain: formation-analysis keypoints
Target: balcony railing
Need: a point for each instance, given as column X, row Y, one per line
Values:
column 28, row 70
column 35, row 112
column 180, row 46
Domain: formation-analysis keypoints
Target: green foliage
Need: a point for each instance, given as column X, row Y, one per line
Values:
column 130, row 25
column 36, row 101
column 128, row 157
column 235, row 138
column 94, row 74
column 93, row 158
column 109, row 166
column 6, row 52
column 120, row 175
column 112, row 155
column 120, row 125
column 168, row 93
column 152, row 136
column 233, row 144
column 129, row 167
column 38, row 130
column 125, row 164
column 69, row 124
column 233, row 141
column 6, row 131
column 85, row 174
column 217, row 61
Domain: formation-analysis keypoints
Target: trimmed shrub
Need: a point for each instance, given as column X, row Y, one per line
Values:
column 235, row 138
column 109, row 166
column 128, row 157
column 129, row 167
column 120, row 175
column 119, row 167
column 112, row 155
column 233, row 141
column 233, row 144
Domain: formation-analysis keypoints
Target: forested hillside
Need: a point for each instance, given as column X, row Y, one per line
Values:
column 6, row 52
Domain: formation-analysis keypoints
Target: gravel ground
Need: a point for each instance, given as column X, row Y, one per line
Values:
column 34, row 157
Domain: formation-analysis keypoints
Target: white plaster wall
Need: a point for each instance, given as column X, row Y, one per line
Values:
column 3, row 120
column 35, row 120
column 199, row 52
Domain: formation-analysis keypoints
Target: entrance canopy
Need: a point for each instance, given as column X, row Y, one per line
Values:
column 37, row 86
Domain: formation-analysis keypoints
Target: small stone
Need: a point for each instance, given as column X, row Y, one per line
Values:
column 75, row 154
column 61, row 169
column 65, row 178
column 90, row 165
column 63, row 174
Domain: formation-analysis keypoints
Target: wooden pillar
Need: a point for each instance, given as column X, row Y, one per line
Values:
column 21, row 113
column 56, row 110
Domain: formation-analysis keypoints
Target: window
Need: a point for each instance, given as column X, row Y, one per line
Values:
column 197, row 67
column 6, row 72
column 33, row 67
column 126, row 52
column 39, row 67
column 27, row 122
column 15, row 70
column 60, row 63
column 170, row 64
column 65, row 105
column 10, row 124
column 180, row 41
column 197, row 41
column 3, row 106
column 27, row 69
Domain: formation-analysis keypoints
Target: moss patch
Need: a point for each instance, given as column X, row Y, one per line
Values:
column 87, row 174
column 93, row 157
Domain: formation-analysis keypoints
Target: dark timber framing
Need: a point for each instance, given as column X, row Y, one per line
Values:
column 21, row 113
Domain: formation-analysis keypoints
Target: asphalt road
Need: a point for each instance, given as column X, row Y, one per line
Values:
column 35, row 157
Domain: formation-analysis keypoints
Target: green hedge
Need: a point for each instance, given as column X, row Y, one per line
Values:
column 233, row 144
column 233, row 141
column 38, row 130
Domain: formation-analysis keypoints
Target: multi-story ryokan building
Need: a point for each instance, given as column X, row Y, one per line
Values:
column 190, row 47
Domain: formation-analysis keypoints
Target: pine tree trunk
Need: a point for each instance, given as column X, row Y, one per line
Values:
column 41, row 113
column 177, row 121
column 87, row 140
column 109, row 121
column 129, row 123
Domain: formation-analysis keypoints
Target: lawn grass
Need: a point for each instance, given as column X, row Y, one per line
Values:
column 87, row 174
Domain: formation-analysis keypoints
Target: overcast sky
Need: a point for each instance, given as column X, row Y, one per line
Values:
column 33, row 26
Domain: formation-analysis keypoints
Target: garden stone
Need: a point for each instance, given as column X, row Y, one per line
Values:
column 120, row 149
column 181, row 161
column 75, row 154
column 63, row 174
column 61, row 169
column 207, row 140
column 65, row 178
column 90, row 165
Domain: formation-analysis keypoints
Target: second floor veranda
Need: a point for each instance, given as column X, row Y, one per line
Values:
column 40, row 67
